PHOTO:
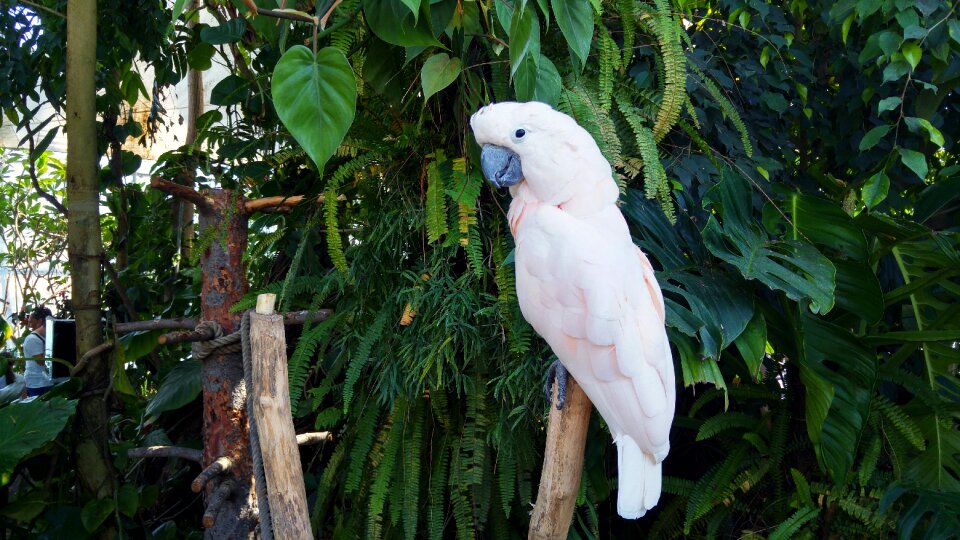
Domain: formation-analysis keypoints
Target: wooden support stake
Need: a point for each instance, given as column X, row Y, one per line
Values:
column 278, row 439
column 562, row 464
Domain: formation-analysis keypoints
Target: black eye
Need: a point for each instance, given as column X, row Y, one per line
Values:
column 519, row 133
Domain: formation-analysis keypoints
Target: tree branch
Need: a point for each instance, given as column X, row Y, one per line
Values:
column 182, row 192
column 33, row 176
column 305, row 439
column 189, row 454
column 182, row 323
column 92, row 353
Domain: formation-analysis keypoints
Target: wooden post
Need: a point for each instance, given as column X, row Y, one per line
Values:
column 562, row 464
column 271, row 411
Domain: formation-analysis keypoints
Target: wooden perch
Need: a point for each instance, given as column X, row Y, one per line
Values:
column 182, row 192
column 306, row 439
column 281, row 202
column 215, row 501
column 181, row 323
column 202, row 334
column 562, row 464
column 221, row 465
column 274, row 421
column 290, row 318
column 189, row 454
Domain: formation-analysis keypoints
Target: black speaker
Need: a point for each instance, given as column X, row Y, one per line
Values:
column 62, row 343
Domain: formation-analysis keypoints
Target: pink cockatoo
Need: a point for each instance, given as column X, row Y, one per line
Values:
column 582, row 283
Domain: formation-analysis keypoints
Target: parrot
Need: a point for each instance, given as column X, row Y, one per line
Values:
column 583, row 285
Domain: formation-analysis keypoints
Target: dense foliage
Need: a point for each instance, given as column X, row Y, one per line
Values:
column 790, row 168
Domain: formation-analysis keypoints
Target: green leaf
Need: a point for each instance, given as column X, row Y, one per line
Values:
column 414, row 6
column 792, row 524
column 438, row 72
column 25, row 427
column 765, row 56
column 888, row 104
column 794, row 267
column 200, row 57
column 524, row 38
column 953, row 28
column 775, row 101
column 895, row 70
column 575, row 20
column 231, row 90
column 917, row 125
column 393, row 22
column 95, row 512
column 875, row 189
column 873, row 137
column 845, row 28
column 889, row 42
column 537, row 81
column 315, row 98
column 181, row 386
column 838, row 372
column 127, row 500
column 228, row 32
column 911, row 51
column 752, row 344
column 915, row 161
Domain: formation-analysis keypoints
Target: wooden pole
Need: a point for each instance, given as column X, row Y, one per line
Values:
column 271, row 411
column 562, row 464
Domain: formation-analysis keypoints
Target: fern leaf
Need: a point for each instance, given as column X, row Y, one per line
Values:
column 365, row 429
column 436, row 204
column 726, row 107
column 792, row 524
column 667, row 30
column 362, row 354
column 724, row 421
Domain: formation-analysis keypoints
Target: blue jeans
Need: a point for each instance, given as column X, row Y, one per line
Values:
column 31, row 392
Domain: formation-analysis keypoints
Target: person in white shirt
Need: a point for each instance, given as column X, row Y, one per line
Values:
column 35, row 374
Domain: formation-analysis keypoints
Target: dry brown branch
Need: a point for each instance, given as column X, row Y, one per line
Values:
column 221, row 465
column 189, row 454
column 221, row 494
column 181, row 192
column 181, row 323
column 201, row 334
column 306, row 439
column 92, row 353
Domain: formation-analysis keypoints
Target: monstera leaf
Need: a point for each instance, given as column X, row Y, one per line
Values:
column 792, row 266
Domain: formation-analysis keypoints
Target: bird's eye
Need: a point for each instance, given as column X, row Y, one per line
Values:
column 520, row 133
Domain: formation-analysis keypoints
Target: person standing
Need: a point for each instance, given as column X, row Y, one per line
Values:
column 35, row 374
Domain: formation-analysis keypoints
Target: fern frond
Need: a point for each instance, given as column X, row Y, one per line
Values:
column 724, row 421
column 655, row 182
column 436, row 204
column 666, row 28
column 609, row 64
column 904, row 424
column 362, row 354
column 580, row 103
column 792, row 524
column 365, row 430
column 412, row 458
column 726, row 107
column 628, row 15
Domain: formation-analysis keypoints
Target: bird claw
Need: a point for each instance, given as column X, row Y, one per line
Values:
column 557, row 371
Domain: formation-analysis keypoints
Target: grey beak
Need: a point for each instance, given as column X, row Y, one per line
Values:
column 501, row 166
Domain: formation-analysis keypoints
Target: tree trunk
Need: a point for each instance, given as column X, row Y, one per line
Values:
column 184, row 210
column 225, row 421
column 85, row 245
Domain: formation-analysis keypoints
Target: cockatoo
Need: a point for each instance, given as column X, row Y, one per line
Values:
column 582, row 283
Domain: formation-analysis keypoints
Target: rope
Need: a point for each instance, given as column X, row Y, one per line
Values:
column 220, row 344
column 260, row 480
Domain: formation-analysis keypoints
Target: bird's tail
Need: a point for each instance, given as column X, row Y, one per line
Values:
column 640, row 479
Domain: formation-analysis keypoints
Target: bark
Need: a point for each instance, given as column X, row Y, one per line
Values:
column 225, row 421
column 85, row 245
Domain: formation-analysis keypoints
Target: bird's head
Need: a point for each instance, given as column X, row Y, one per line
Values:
column 532, row 143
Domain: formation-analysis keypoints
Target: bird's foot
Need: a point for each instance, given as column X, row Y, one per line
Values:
column 560, row 373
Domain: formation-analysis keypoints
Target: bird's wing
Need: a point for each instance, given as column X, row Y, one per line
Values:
column 593, row 296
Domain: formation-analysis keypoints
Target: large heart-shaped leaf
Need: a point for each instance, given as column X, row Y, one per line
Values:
column 25, row 427
column 438, row 72
column 537, row 81
column 315, row 98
